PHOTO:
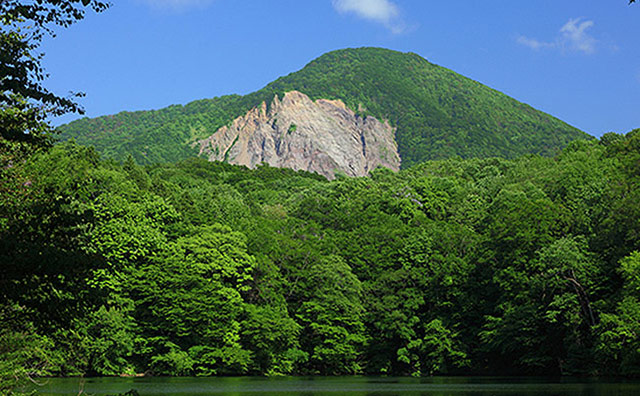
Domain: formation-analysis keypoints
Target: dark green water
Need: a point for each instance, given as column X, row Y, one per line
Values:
column 353, row 386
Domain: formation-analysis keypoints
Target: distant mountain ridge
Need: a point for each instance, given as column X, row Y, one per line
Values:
column 436, row 113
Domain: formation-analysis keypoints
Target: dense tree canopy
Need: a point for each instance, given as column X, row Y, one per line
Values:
column 526, row 266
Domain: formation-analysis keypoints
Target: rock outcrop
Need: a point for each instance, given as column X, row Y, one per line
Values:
column 322, row 136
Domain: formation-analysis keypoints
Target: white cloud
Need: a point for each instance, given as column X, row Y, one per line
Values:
column 532, row 43
column 384, row 12
column 176, row 5
column 573, row 36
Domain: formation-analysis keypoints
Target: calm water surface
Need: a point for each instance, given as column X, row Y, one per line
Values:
column 352, row 386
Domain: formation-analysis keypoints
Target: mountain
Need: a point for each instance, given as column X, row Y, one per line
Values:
column 434, row 112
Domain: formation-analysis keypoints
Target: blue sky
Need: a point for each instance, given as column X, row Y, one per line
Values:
column 578, row 60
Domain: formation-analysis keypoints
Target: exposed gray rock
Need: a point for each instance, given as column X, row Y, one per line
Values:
column 322, row 136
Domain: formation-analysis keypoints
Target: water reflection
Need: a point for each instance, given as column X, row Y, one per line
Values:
column 352, row 386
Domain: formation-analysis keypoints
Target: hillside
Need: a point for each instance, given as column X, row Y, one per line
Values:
column 437, row 113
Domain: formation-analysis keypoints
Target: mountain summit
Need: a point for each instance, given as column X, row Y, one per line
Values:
column 432, row 111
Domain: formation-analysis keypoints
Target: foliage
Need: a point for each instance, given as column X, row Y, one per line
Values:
column 41, row 256
column 24, row 101
column 483, row 266
column 619, row 343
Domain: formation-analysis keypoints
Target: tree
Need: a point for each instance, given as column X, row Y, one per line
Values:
column 191, row 301
column 24, row 101
column 24, row 106
column 333, row 318
column 618, row 346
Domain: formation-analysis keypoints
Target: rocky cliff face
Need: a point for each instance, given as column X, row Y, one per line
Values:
column 322, row 136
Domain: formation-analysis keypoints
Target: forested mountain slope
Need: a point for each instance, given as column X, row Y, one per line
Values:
column 437, row 113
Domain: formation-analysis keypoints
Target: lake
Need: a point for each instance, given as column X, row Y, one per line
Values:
column 318, row 386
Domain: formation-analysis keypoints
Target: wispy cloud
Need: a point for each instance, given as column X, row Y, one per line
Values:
column 573, row 36
column 384, row 12
column 533, row 43
column 176, row 5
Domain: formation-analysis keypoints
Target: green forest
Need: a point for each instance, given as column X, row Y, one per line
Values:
column 508, row 244
column 437, row 113
column 478, row 266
